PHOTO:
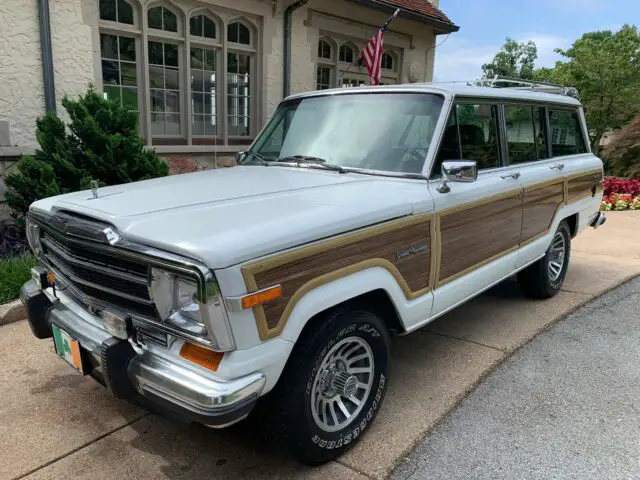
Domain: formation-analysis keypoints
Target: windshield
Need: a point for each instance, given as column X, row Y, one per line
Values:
column 380, row 131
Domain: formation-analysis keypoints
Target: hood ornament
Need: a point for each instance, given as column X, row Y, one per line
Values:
column 94, row 188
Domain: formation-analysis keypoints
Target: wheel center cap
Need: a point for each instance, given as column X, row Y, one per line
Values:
column 343, row 383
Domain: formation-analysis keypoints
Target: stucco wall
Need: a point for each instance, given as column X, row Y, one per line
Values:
column 21, row 85
column 21, row 94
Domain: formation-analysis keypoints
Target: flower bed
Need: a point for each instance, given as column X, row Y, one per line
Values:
column 620, row 194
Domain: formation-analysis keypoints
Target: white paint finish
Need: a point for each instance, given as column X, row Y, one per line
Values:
column 229, row 216
column 456, row 89
column 269, row 358
column 411, row 312
column 243, row 322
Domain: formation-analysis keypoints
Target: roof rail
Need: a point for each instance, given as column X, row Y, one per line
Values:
column 510, row 82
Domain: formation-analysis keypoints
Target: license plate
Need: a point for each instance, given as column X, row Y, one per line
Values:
column 67, row 348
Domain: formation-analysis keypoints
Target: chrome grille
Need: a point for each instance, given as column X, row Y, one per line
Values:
column 118, row 281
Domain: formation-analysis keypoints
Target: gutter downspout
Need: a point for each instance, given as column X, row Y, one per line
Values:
column 47, row 55
column 286, row 60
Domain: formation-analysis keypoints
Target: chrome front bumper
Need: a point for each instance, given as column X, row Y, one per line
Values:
column 152, row 380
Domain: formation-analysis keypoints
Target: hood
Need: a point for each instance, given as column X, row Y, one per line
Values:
column 227, row 216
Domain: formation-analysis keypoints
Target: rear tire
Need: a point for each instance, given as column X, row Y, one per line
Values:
column 544, row 278
column 332, row 386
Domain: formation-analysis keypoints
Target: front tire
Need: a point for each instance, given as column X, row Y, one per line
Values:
column 544, row 278
column 332, row 386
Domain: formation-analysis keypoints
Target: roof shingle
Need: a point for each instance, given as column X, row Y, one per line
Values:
column 421, row 7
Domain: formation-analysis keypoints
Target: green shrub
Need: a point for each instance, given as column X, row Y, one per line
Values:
column 100, row 143
column 13, row 273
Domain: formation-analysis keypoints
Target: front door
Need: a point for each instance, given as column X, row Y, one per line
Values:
column 478, row 225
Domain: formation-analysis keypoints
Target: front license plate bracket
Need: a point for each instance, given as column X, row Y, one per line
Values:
column 69, row 349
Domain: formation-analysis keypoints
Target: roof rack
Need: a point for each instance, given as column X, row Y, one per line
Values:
column 499, row 81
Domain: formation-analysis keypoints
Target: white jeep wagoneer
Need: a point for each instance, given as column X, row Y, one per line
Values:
column 356, row 214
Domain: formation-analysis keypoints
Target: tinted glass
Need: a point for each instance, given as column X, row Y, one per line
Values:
column 521, row 135
column 478, row 133
column 348, row 130
column 566, row 133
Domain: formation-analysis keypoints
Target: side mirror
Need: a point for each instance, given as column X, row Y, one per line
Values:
column 457, row 171
column 240, row 156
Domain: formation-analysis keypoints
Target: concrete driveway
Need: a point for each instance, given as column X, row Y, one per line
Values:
column 54, row 423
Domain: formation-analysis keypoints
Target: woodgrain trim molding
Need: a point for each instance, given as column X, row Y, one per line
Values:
column 514, row 193
column 434, row 241
column 252, row 271
column 597, row 177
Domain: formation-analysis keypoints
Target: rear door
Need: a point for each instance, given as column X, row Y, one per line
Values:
column 478, row 224
column 526, row 135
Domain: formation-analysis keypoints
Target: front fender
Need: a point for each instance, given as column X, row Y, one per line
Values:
column 348, row 287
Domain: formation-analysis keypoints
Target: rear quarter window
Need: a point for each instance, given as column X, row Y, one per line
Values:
column 567, row 137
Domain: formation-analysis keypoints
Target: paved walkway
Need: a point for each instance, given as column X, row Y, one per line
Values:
column 54, row 423
column 565, row 406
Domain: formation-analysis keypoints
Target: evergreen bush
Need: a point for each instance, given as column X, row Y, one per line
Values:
column 100, row 143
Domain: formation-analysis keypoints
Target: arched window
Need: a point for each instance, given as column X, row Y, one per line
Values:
column 119, row 11
column 387, row 61
column 239, row 33
column 346, row 54
column 119, row 57
column 324, row 50
column 202, row 26
column 162, row 18
column 200, row 81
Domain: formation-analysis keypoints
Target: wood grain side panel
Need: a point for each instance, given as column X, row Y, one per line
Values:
column 540, row 205
column 296, row 271
column 581, row 186
column 472, row 235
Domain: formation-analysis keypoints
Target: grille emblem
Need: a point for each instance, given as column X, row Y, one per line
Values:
column 111, row 236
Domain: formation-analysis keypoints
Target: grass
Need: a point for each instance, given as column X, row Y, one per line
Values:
column 13, row 273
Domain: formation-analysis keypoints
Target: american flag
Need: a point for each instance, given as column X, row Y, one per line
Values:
column 372, row 51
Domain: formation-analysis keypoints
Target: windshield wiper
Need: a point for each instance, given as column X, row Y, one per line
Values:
column 253, row 156
column 311, row 162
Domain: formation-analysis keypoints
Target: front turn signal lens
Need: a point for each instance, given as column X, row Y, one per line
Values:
column 260, row 297
column 201, row 356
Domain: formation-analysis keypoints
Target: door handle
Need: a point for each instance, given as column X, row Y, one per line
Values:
column 515, row 176
column 557, row 166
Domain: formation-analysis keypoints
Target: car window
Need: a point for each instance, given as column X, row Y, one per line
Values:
column 471, row 135
column 388, row 132
column 566, row 133
column 525, row 133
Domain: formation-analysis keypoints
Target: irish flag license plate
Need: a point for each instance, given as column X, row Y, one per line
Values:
column 67, row 348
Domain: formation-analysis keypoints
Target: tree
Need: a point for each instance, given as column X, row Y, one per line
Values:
column 101, row 143
column 514, row 59
column 623, row 153
column 605, row 68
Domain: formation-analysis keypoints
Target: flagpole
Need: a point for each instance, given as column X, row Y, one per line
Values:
column 384, row 26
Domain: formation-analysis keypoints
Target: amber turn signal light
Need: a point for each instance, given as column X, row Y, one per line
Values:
column 258, row 298
column 201, row 356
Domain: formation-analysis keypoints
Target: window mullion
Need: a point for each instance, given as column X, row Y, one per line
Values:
column 186, row 77
column 223, row 94
column 146, row 82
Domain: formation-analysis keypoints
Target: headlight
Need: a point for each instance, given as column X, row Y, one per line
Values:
column 33, row 237
column 180, row 306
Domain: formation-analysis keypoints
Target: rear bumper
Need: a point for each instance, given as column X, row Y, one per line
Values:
column 141, row 376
